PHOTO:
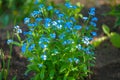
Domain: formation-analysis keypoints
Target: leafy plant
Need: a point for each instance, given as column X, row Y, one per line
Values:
column 56, row 45
column 3, row 71
column 115, row 39
column 113, row 36
column 5, row 64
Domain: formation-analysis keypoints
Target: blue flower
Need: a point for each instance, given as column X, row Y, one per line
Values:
column 27, row 33
column 87, row 27
column 77, row 27
column 47, row 20
column 23, row 48
column 44, row 57
column 43, row 46
column 92, row 11
column 35, row 13
column 53, row 35
column 26, row 20
column 68, row 5
column 73, row 19
column 59, row 26
column 31, row 47
column 76, row 60
column 47, row 25
column 54, row 23
column 85, row 18
column 49, row 8
column 88, row 50
column 38, row 19
column 57, row 11
column 70, row 60
column 16, row 27
column 60, row 15
column 94, row 33
column 74, row 7
column 42, row 42
column 9, row 41
column 68, row 25
column 40, row 65
column 32, row 24
column 30, row 58
column 41, row 6
column 43, row 39
column 93, row 24
column 19, row 31
column 60, row 21
column 61, row 36
column 66, row 42
column 86, row 40
column 79, row 47
column 94, row 19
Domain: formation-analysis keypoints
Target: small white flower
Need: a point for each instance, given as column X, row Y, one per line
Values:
column 44, row 57
column 9, row 41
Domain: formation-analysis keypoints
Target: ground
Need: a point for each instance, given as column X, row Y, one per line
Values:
column 107, row 66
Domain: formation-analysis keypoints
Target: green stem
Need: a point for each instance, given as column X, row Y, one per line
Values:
column 18, row 37
column 8, row 65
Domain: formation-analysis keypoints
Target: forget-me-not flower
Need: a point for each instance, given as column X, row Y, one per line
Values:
column 31, row 47
column 92, row 11
column 53, row 35
column 77, row 27
column 23, row 48
column 9, row 41
column 49, row 8
column 43, row 57
column 26, row 20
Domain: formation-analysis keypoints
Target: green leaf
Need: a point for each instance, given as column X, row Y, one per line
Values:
column 115, row 39
column 14, row 78
column 33, row 67
column 42, row 74
column 63, row 68
column 0, row 75
column 26, row 72
column 6, row 20
column 117, row 23
column 37, row 77
column 106, row 29
column 71, row 78
column 52, row 72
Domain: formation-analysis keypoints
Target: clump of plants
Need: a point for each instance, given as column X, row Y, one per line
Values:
column 114, row 37
column 57, row 46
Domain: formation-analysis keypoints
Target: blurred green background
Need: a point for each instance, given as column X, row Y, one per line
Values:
column 13, row 11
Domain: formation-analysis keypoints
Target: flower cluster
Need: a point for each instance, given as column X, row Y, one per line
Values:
column 17, row 29
column 58, row 45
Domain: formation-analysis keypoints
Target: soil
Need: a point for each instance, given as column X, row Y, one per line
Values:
column 107, row 65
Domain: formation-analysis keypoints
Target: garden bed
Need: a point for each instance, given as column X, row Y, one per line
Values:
column 107, row 56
